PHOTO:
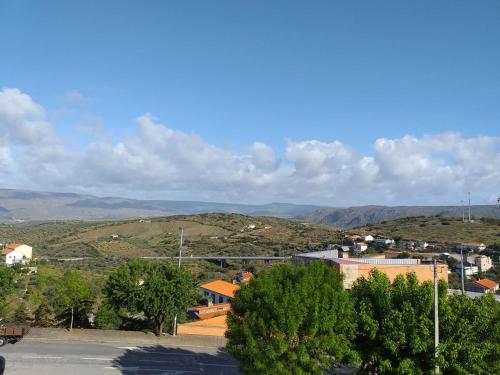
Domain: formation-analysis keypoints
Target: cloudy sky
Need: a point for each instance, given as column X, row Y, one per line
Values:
column 380, row 102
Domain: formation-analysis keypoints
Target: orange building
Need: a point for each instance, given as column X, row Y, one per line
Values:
column 354, row 268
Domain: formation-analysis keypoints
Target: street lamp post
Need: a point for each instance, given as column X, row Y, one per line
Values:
column 174, row 332
column 462, row 272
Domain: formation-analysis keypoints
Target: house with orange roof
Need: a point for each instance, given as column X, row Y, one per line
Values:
column 482, row 286
column 219, row 291
column 17, row 253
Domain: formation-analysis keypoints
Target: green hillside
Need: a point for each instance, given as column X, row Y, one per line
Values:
column 438, row 229
column 205, row 234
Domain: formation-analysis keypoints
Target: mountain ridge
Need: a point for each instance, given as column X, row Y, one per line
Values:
column 27, row 205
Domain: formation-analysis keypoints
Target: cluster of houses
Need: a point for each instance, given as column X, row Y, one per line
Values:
column 361, row 243
column 210, row 319
column 16, row 253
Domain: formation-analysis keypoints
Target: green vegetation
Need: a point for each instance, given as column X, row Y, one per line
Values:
column 443, row 230
column 155, row 290
column 297, row 320
column 395, row 324
column 292, row 320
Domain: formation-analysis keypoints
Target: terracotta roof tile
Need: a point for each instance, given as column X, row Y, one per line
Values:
column 486, row 283
column 221, row 287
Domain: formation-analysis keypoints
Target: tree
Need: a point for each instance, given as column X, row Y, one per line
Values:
column 291, row 320
column 395, row 324
column 154, row 289
column 107, row 317
column 44, row 316
column 73, row 299
column 6, row 286
column 470, row 331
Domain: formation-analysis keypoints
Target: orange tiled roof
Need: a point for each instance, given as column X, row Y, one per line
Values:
column 472, row 244
column 486, row 283
column 10, row 248
column 221, row 287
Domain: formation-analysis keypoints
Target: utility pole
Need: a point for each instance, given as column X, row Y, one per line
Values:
column 469, row 206
column 463, row 210
column 174, row 332
column 462, row 268
column 436, row 315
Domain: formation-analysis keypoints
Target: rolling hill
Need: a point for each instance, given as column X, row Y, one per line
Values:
column 22, row 205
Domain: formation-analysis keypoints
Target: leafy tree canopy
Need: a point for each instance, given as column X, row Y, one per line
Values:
column 73, row 297
column 470, row 330
column 154, row 289
column 6, row 282
column 291, row 320
column 395, row 324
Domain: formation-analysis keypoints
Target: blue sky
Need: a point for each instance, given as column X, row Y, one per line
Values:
column 235, row 73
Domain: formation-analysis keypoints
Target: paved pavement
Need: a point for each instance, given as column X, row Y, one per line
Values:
column 45, row 357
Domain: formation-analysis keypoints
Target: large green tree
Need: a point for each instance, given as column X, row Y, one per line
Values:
column 292, row 320
column 470, row 335
column 73, row 299
column 395, row 324
column 157, row 290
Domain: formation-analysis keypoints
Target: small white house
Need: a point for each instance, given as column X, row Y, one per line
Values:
column 14, row 257
column 360, row 247
column 368, row 238
column 17, row 253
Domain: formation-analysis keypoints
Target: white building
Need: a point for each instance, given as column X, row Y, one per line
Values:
column 359, row 247
column 17, row 253
column 368, row 238
column 483, row 262
column 219, row 291
column 470, row 269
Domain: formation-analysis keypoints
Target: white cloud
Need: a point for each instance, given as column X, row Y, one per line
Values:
column 22, row 121
column 433, row 169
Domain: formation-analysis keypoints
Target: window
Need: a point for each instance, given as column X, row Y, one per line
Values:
column 221, row 299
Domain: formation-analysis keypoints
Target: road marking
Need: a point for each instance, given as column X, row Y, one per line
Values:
column 98, row 359
column 43, row 357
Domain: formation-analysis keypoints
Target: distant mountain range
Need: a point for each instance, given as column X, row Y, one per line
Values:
column 22, row 205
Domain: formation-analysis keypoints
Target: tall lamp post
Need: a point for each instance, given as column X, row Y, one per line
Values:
column 436, row 315
column 462, row 272
column 174, row 332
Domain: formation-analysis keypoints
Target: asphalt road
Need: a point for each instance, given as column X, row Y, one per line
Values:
column 85, row 358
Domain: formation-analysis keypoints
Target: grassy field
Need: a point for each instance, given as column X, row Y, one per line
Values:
column 437, row 229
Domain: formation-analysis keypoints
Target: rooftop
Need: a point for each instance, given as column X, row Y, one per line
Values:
column 486, row 283
column 221, row 287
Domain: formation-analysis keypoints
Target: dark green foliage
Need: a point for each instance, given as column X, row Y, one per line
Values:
column 6, row 287
column 470, row 330
column 21, row 315
column 395, row 324
column 107, row 317
column 43, row 316
column 6, row 282
column 73, row 300
column 291, row 320
column 154, row 289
